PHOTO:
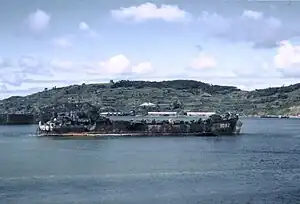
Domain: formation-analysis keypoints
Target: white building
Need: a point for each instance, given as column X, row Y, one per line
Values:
column 162, row 113
column 200, row 113
column 147, row 104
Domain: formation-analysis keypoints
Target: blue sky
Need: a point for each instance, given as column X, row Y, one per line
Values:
column 248, row 44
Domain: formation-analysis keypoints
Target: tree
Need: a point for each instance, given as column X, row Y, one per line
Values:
column 176, row 104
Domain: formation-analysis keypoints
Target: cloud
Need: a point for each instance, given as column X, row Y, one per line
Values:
column 118, row 64
column 121, row 65
column 143, row 68
column 85, row 28
column 262, row 70
column 249, row 83
column 265, row 44
column 28, row 62
column 250, row 26
column 61, row 65
column 287, row 59
column 149, row 11
column 31, row 72
column 3, row 88
column 38, row 20
column 253, row 14
column 32, row 66
column 15, row 74
column 207, row 66
column 62, row 42
column 4, row 62
column 12, row 78
column 72, row 71
column 203, row 61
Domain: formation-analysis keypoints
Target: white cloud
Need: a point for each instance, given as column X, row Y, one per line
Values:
column 249, row 83
column 287, row 59
column 4, row 62
column 148, row 11
column 12, row 78
column 31, row 65
column 261, row 71
column 252, row 14
column 113, row 67
column 84, row 27
column 61, row 65
column 118, row 64
column 143, row 68
column 213, row 24
column 207, row 66
column 63, row 42
column 3, row 88
column 28, row 62
column 203, row 61
column 30, row 73
column 16, row 73
column 204, row 67
column 251, row 26
column 38, row 20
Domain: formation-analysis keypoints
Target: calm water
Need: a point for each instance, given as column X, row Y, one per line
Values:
column 260, row 166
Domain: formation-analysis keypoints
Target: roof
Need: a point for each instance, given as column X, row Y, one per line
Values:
column 206, row 95
column 148, row 104
column 201, row 113
column 162, row 113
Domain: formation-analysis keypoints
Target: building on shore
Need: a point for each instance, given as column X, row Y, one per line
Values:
column 200, row 113
column 162, row 113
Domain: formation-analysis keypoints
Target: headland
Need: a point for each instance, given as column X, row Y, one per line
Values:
column 123, row 96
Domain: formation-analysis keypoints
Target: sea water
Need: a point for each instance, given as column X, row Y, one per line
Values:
column 262, row 165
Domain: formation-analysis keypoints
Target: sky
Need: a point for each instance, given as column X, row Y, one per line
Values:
column 248, row 44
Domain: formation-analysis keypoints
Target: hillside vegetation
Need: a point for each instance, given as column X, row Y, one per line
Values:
column 169, row 95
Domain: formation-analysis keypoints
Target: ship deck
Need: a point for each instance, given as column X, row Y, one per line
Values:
column 157, row 118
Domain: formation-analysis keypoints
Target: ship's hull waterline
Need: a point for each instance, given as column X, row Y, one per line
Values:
column 88, row 134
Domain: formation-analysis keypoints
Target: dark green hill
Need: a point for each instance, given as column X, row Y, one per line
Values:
column 169, row 95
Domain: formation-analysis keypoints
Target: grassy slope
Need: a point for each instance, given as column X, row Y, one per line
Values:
column 125, row 95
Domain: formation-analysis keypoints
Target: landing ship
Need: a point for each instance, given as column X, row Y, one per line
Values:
column 67, row 124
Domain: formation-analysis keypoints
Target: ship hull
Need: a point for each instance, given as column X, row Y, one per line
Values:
column 88, row 134
column 127, row 129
